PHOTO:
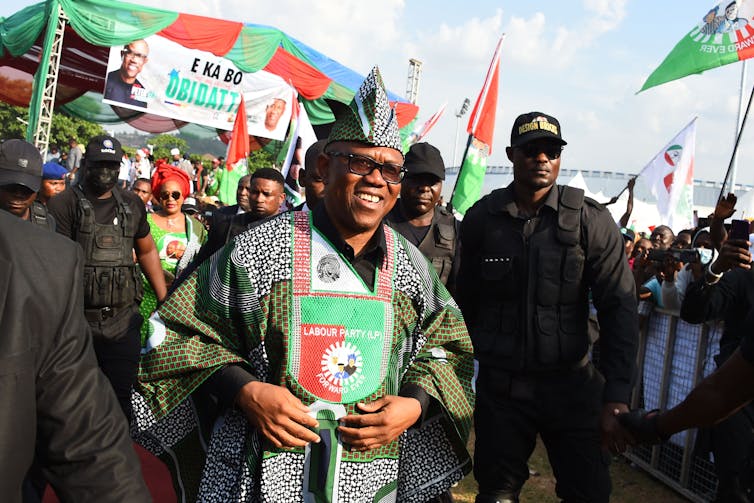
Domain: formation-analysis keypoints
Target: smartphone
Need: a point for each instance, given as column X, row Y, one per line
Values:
column 739, row 229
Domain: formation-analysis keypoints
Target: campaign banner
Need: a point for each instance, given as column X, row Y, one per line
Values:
column 164, row 78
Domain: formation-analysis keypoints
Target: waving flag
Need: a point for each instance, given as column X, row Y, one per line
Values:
column 236, row 167
column 238, row 147
column 670, row 179
column 300, row 137
column 481, row 130
column 722, row 36
column 429, row 124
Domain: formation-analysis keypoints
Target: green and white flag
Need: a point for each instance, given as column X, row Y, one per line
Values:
column 722, row 36
column 670, row 178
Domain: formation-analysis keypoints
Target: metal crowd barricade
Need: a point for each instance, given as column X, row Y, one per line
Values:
column 673, row 357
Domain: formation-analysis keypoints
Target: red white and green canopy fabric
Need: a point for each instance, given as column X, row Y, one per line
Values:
column 96, row 25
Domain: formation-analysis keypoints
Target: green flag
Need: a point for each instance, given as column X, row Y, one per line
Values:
column 723, row 35
column 469, row 186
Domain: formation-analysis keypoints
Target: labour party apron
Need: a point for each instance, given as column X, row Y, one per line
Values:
column 340, row 339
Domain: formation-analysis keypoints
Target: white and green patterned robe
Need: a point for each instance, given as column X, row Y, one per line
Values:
column 242, row 307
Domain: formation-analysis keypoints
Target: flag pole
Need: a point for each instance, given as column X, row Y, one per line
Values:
column 735, row 148
column 741, row 88
column 626, row 186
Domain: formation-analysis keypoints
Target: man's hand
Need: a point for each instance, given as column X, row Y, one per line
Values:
column 733, row 253
column 630, row 184
column 643, row 426
column 614, row 437
column 384, row 421
column 725, row 207
column 277, row 414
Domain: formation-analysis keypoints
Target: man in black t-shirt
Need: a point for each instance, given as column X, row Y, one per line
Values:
column 110, row 225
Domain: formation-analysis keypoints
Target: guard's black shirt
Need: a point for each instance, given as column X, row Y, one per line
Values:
column 606, row 274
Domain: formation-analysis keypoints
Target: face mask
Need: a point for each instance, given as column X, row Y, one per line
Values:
column 101, row 179
column 705, row 255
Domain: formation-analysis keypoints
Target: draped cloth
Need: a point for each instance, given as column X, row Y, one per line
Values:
column 238, row 308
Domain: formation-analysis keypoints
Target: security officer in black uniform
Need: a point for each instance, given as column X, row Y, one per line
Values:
column 110, row 225
column 20, row 180
column 419, row 219
column 530, row 255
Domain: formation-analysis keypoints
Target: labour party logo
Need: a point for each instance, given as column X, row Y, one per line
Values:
column 341, row 364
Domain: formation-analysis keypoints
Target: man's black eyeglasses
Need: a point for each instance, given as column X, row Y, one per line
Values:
column 134, row 55
column 164, row 196
column 552, row 151
column 362, row 166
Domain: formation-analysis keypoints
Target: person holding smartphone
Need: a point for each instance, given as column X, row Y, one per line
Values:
column 726, row 291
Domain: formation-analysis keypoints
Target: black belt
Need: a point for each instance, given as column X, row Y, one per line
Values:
column 100, row 314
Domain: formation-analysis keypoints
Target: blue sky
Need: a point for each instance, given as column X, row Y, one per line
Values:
column 579, row 61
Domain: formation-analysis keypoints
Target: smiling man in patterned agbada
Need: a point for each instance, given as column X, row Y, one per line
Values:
column 342, row 363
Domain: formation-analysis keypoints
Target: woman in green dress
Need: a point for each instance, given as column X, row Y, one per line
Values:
column 178, row 236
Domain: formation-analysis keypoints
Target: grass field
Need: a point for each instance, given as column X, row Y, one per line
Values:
column 630, row 484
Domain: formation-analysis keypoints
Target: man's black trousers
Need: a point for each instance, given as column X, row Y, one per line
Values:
column 564, row 408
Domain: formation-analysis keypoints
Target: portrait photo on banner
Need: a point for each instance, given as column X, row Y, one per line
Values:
column 164, row 78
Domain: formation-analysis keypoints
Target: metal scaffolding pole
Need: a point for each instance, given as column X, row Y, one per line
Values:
column 414, row 75
column 46, row 80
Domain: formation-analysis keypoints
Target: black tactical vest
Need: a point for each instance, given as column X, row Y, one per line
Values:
column 534, row 307
column 439, row 245
column 111, row 278
column 38, row 215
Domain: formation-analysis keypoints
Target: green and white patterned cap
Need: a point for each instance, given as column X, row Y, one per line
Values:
column 368, row 118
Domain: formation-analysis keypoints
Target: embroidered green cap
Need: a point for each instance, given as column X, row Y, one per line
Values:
column 369, row 118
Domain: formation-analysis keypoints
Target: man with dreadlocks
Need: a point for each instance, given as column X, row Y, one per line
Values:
column 343, row 362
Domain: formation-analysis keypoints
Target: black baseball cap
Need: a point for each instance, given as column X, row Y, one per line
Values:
column 533, row 126
column 424, row 158
column 628, row 234
column 20, row 164
column 104, row 148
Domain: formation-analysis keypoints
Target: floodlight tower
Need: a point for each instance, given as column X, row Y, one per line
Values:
column 414, row 75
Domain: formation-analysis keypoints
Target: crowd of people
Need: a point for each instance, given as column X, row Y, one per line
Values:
column 342, row 350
